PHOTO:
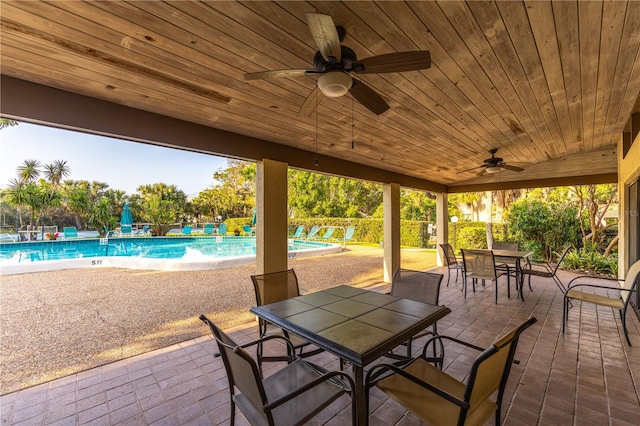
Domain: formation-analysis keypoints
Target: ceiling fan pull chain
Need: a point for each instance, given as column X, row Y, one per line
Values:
column 353, row 125
column 316, row 131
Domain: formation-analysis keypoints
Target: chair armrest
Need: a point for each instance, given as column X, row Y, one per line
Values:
column 571, row 283
column 397, row 370
column 544, row 266
column 606, row 287
column 327, row 376
column 453, row 339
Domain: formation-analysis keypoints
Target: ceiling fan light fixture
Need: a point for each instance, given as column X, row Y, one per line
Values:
column 493, row 169
column 335, row 84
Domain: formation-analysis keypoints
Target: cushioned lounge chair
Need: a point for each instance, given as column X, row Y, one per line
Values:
column 70, row 232
column 187, row 230
column 222, row 229
column 208, row 229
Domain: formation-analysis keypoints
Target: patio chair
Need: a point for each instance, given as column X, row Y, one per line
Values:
column 481, row 264
column 438, row 398
column 222, row 229
column 290, row 396
column 246, row 230
column 270, row 288
column 419, row 286
column 208, row 229
column 70, row 232
column 187, row 230
column 621, row 303
column 451, row 261
column 545, row 270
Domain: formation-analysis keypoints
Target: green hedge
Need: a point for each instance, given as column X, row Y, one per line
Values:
column 413, row 233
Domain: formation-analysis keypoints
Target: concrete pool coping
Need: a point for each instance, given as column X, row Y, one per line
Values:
column 153, row 263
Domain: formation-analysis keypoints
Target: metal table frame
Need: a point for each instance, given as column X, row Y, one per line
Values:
column 357, row 325
column 518, row 256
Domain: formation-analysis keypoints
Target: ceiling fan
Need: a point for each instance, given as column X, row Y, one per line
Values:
column 493, row 165
column 335, row 64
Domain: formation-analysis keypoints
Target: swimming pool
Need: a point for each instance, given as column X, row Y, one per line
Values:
column 158, row 253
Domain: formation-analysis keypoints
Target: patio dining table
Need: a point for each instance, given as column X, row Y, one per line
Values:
column 358, row 326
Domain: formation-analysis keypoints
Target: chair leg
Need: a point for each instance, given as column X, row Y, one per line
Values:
column 496, row 291
column 448, row 275
column 565, row 314
column 623, row 317
column 457, row 273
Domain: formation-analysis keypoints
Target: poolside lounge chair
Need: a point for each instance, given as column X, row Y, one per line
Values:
column 70, row 232
column 312, row 233
column 299, row 231
column 208, row 229
column 327, row 235
column 187, row 230
column 348, row 234
column 222, row 228
column 125, row 231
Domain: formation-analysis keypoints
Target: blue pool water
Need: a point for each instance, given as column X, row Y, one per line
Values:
column 142, row 251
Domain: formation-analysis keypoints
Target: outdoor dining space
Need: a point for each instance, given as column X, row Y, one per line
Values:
column 589, row 375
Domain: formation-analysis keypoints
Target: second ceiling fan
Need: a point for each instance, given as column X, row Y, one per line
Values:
column 335, row 64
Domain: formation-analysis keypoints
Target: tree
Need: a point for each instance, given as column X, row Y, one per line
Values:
column 161, row 213
column 17, row 195
column 544, row 227
column 29, row 170
column 5, row 122
column 594, row 202
column 318, row 195
column 55, row 171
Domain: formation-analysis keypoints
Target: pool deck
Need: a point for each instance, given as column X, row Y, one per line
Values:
column 28, row 259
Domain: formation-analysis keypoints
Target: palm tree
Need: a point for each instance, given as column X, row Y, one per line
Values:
column 5, row 122
column 55, row 171
column 17, row 195
column 29, row 170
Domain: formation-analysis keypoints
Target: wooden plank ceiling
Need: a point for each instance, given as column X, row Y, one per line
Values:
column 550, row 84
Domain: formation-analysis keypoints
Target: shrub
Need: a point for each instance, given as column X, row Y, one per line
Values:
column 591, row 261
column 544, row 227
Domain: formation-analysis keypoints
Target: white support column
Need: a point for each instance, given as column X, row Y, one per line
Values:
column 442, row 224
column 271, row 220
column 391, row 200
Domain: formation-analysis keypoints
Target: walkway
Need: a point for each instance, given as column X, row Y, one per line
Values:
column 588, row 376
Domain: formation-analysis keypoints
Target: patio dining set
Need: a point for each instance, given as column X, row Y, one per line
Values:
column 364, row 330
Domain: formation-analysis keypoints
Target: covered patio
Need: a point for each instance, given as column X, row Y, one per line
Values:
column 587, row 376
column 553, row 85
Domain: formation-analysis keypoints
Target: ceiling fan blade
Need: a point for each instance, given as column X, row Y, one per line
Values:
column 277, row 73
column 368, row 97
column 472, row 169
column 512, row 168
column 309, row 105
column 394, row 62
column 324, row 33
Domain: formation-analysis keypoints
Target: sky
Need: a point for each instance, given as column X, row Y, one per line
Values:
column 121, row 164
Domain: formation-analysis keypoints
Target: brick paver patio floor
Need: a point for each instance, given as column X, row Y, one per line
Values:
column 587, row 376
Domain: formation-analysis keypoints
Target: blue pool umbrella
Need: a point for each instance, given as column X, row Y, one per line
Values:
column 255, row 213
column 127, row 218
